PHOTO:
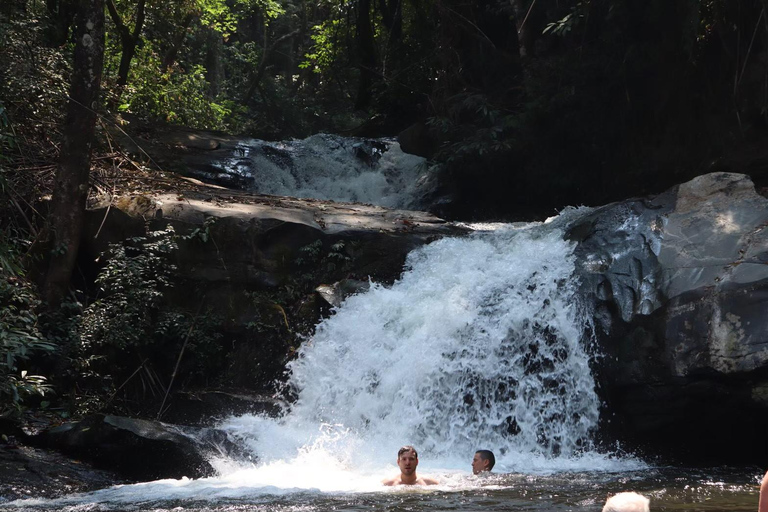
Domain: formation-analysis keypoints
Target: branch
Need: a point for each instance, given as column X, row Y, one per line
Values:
column 115, row 16
column 263, row 64
column 139, row 20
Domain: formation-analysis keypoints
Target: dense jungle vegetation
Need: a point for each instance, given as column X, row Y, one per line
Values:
column 528, row 105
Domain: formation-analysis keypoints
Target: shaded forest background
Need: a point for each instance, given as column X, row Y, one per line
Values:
column 527, row 105
column 532, row 105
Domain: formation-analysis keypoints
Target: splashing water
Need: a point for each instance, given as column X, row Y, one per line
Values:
column 480, row 345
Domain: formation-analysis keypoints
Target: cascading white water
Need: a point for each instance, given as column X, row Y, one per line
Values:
column 478, row 345
column 331, row 167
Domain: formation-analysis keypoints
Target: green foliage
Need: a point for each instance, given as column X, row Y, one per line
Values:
column 322, row 264
column 173, row 96
column 570, row 21
column 33, row 87
column 129, row 337
column 473, row 127
column 20, row 338
column 132, row 283
column 326, row 51
column 223, row 16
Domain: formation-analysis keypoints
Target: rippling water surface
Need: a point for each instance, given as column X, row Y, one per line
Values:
column 670, row 489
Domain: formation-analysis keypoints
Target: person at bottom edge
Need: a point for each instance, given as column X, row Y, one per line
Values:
column 407, row 460
column 483, row 461
column 762, row 504
column 627, row 502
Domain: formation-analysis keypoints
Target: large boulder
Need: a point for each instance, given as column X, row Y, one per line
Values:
column 32, row 472
column 139, row 449
column 256, row 263
column 680, row 288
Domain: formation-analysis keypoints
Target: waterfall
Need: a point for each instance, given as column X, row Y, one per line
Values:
column 480, row 344
column 331, row 167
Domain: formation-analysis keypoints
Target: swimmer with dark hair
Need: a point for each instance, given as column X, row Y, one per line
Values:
column 407, row 460
column 483, row 461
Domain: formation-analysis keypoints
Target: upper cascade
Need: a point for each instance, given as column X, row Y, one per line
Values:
column 324, row 166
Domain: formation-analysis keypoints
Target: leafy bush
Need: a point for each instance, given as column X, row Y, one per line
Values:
column 20, row 338
column 176, row 96
column 129, row 338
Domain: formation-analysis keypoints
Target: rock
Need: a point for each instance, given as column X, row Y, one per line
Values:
column 31, row 472
column 204, row 407
column 335, row 293
column 417, row 140
column 138, row 449
column 680, row 288
column 251, row 260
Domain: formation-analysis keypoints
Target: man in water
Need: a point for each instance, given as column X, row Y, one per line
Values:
column 407, row 460
column 762, row 505
column 483, row 461
column 627, row 502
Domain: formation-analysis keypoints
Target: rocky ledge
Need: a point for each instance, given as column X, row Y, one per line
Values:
column 680, row 288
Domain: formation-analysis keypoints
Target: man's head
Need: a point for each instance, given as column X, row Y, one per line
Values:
column 627, row 502
column 407, row 460
column 483, row 461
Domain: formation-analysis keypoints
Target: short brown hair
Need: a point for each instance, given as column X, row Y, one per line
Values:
column 407, row 448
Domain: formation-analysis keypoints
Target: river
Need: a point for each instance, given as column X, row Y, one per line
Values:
column 483, row 343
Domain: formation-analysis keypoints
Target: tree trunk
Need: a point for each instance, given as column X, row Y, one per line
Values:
column 214, row 71
column 392, row 17
column 178, row 41
column 61, row 13
column 128, row 40
column 525, row 32
column 71, row 185
column 255, row 80
column 367, row 54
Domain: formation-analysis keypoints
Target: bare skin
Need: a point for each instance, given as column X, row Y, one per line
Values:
column 407, row 462
column 480, row 465
column 763, row 503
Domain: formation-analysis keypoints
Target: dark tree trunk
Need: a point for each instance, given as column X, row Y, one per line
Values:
column 525, row 31
column 392, row 18
column 178, row 41
column 213, row 59
column 366, row 54
column 128, row 40
column 61, row 14
column 255, row 80
column 71, row 185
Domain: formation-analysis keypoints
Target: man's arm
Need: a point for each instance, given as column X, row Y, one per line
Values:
column 434, row 481
column 763, row 503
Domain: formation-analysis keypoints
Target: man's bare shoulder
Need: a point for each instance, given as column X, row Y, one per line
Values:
column 429, row 480
column 391, row 481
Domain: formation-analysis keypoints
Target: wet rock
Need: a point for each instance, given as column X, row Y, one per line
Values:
column 243, row 256
column 417, row 140
column 206, row 407
column 680, row 288
column 32, row 472
column 138, row 449
column 334, row 294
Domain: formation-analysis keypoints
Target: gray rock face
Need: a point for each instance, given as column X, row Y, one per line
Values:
column 26, row 472
column 680, row 287
column 258, row 261
column 139, row 449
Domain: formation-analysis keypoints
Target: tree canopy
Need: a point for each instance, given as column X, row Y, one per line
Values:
column 526, row 106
